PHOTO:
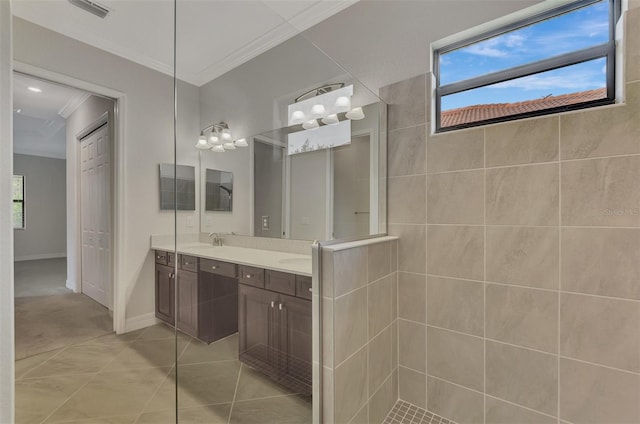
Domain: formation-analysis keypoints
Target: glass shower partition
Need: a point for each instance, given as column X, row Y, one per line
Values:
column 274, row 172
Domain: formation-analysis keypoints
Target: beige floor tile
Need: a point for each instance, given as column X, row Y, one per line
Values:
column 280, row 410
column 36, row 398
column 147, row 354
column 255, row 385
column 120, row 419
column 111, row 394
column 158, row 331
column 221, row 350
column 212, row 414
column 23, row 366
column 81, row 359
column 198, row 384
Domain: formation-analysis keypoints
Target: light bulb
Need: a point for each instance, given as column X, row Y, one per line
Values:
column 355, row 114
column 229, row 146
column 218, row 148
column 343, row 104
column 202, row 143
column 241, row 142
column 226, row 134
column 297, row 117
column 214, row 138
column 317, row 110
column 331, row 119
column 310, row 125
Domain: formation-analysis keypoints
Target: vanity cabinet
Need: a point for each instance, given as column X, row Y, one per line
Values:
column 207, row 296
column 274, row 330
column 165, row 301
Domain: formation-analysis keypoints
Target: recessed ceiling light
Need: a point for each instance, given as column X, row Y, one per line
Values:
column 35, row 89
column 18, row 110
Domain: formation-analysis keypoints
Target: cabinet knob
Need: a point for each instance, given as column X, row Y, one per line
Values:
column 186, row 263
column 310, row 290
column 280, row 306
column 273, row 304
column 248, row 276
column 214, row 267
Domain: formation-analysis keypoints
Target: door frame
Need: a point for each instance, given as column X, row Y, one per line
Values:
column 118, row 188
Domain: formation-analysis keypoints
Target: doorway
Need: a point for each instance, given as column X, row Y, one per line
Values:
column 55, row 304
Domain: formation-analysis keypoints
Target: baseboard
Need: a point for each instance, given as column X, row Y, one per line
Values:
column 71, row 286
column 41, row 256
column 141, row 321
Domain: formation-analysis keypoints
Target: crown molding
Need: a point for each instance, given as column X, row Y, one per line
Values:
column 73, row 104
column 286, row 30
column 298, row 23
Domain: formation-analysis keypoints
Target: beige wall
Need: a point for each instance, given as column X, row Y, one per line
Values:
column 519, row 260
column 359, row 332
column 44, row 235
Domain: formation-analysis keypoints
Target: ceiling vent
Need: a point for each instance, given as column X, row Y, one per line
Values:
column 91, row 7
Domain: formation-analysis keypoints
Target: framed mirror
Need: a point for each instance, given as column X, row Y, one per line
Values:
column 185, row 184
column 218, row 190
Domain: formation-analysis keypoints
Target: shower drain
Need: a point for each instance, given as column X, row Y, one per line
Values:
column 407, row 413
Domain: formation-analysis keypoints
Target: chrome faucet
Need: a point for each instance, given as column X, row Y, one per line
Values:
column 216, row 239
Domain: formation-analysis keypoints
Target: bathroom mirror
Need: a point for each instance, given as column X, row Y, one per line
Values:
column 318, row 175
column 185, row 183
column 218, row 190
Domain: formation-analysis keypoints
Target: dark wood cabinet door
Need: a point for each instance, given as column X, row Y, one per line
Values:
column 295, row 342
column 187, row 317
column 165, row 294
column 256, row 313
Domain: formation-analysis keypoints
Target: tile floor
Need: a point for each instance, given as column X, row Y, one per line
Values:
column 407, row 413
column 131, row 379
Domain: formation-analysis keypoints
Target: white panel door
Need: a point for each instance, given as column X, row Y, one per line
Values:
column 96, row 219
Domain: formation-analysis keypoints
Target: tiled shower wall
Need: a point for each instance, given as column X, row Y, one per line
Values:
column 359, row 331
column 519, row 260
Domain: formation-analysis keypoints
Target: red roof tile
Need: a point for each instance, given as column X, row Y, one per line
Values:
column 475, row 113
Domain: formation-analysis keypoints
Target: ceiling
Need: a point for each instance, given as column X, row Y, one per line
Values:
column 213, row 37
column 39, row 119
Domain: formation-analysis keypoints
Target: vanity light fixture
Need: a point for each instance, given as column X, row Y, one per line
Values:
column 330, row 119
column 310, row 125
column 218, row 138
column 355, row 114
column 325, row 104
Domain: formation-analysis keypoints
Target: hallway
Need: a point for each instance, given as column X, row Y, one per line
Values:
column 49, row 316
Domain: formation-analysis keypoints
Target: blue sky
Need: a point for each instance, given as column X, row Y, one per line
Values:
column 585, row 27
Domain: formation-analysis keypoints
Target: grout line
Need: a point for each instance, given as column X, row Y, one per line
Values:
column 484, row 285
column 532, row 288
column 426, row 288
column 559, row 266
column 520, row 406
column 235, row 393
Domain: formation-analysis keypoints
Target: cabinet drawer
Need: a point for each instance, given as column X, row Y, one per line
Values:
column 188, row 263
column 161, row 257
column 171, row 259
column 252, row 276
column 218, row 267
column 303, row 287
column 280, row 282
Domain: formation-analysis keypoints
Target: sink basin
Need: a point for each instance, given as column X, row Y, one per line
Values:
column 295, row 261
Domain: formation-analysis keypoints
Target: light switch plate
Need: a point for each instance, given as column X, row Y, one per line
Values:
column 265, row 222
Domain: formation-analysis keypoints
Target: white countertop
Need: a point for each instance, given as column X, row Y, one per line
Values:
column 267, row 259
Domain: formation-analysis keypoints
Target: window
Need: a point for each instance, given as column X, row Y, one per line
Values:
column 18, row 201
column 559, row 60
